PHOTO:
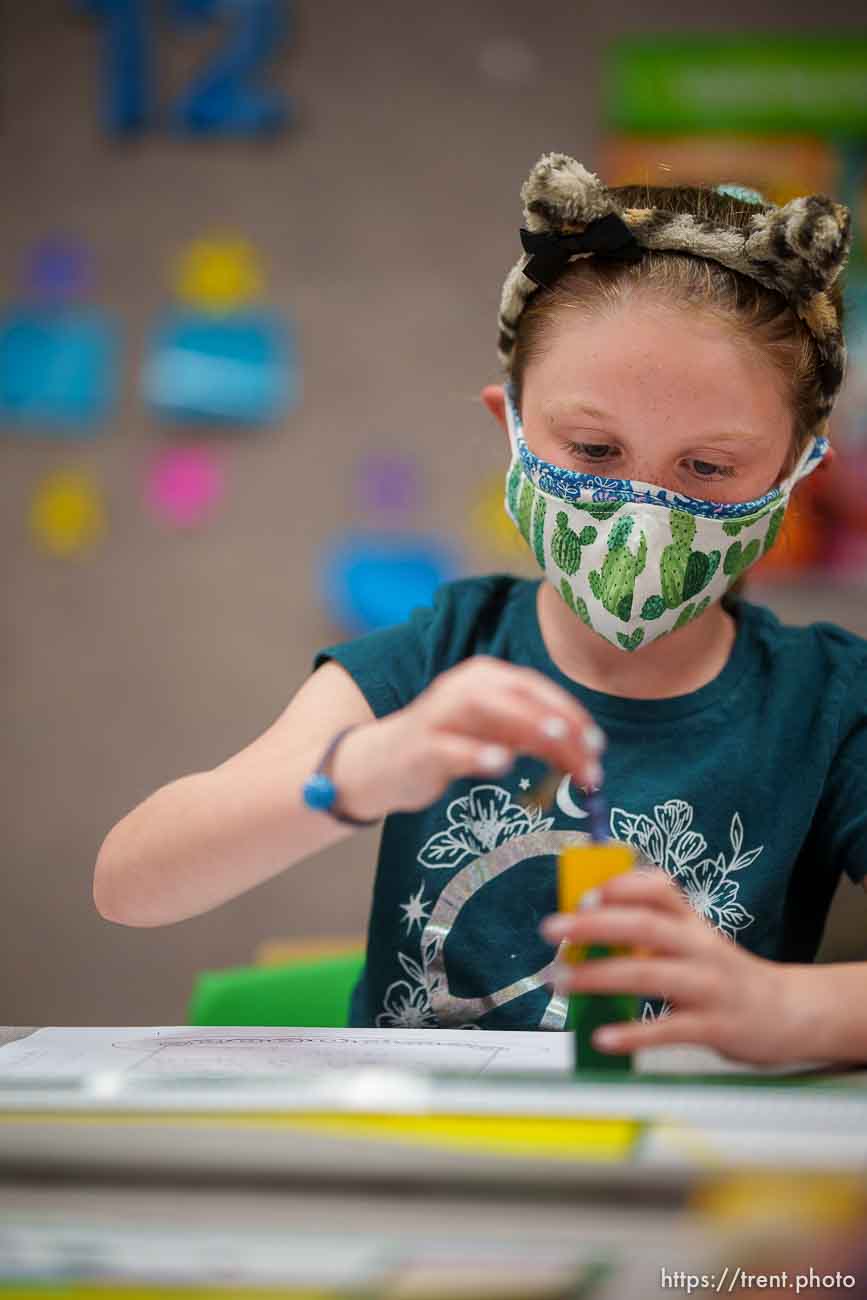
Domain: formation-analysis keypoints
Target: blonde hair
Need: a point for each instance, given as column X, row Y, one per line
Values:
column 757, row 316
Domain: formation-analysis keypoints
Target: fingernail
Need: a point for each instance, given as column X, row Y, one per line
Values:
column 595, row 739
column 605, row 1037
column 494, row 758
column 592, row 898
column 555, row 728
column 555, row 928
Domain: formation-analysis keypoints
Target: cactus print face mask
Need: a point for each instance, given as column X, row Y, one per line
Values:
column 631, row 560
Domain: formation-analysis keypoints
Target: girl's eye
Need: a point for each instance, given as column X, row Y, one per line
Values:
column 599, row 451
column 590, row 450
column 704, row 469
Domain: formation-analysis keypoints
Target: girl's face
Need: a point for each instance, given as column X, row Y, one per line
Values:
column 661, row 395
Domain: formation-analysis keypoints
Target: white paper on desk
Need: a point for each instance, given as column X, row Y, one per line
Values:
column 141, row 1053
column 182, row 1051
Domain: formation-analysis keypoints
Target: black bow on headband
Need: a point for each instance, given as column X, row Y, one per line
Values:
column 606, row 237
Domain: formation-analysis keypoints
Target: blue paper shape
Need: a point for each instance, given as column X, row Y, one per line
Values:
column 226, row 98
column 239, row 368
column 371, row 580
column 127, row 71
column 58, row 370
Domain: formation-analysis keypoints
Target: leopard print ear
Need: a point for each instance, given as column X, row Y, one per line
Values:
column 802, row 246
column 562, row 196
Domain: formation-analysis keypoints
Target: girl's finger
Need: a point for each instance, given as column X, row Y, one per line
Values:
column 651, row 977
column 533, row 684
column 622, row 926
column 505, row 716
column 651, row 886
column 679, row 1027
column 483, row 676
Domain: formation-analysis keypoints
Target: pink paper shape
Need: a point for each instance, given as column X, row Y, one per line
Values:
column 184, row 485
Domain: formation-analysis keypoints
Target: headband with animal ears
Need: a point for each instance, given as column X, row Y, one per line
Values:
column 798, row 250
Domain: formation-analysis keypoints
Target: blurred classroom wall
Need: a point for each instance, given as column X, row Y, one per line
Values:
column 384, row 217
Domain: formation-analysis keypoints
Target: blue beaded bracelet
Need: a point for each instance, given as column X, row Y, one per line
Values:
column 320, row 792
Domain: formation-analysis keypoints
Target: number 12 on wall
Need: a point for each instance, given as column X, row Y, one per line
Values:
column 224, row 97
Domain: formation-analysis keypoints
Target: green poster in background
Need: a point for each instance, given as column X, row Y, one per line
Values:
column 808, row 83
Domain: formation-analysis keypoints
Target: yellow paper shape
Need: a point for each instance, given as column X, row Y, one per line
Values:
column 560, row 1138
column 219, row 275
column 597, row 1139
column 489, row 521
column 582, row 867
column 67, row 512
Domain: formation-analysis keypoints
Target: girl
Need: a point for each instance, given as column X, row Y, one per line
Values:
column 672, row 356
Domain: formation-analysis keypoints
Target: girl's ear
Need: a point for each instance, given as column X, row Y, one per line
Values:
column 494, row 398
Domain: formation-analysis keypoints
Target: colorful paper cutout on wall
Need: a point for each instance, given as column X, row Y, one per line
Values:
column 185, row 485
column 67, row 513
column 388, row 483
column 489, row 522
column 227, row 95
column 239, row 368
column 58, row 272
column 850, row 413
column 370, row 580
column 219, row 275
column 58, row 370
column 780, row 167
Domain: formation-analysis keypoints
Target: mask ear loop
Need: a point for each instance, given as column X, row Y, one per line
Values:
column 810, row 458
column 513, row 420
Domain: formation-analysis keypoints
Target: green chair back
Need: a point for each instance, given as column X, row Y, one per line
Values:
column 309, row 993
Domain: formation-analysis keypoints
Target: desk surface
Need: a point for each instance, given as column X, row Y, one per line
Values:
column 410, row 1106
column 99, row 1212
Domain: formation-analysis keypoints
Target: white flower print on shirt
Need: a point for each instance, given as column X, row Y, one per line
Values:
column 478, row 822
column 666, row 841
column 407, row 1005
column 713, row 895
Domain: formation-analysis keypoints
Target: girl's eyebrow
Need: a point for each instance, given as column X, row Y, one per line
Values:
column 565, row 408
column 556, row 410
column 732, row 436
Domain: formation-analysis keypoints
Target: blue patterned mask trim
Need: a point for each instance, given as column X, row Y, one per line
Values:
column 570, row 485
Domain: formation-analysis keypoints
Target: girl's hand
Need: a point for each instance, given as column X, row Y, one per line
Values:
column 470, row 721
column 722, row 996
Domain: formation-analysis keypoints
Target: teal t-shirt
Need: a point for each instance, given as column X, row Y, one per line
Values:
column 751, row 792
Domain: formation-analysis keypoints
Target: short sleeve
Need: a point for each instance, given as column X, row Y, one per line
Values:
column 395, row 664
column 844, row 802
column 391, row 665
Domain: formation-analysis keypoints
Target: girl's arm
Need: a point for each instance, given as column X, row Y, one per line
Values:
column 206, row 838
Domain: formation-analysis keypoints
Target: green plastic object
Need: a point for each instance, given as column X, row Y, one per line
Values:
column 588, row 1011
column 310, row 994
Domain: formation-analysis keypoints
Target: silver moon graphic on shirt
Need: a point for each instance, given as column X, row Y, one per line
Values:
column 447, row 1007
